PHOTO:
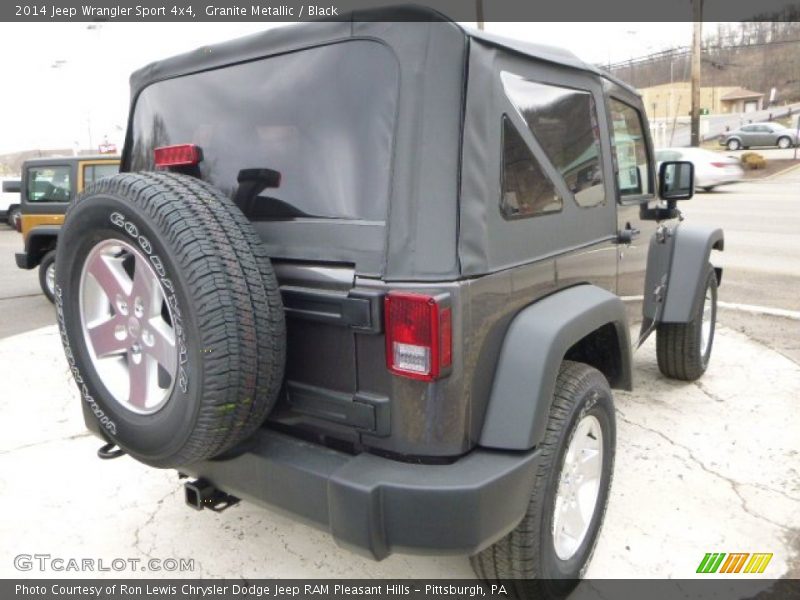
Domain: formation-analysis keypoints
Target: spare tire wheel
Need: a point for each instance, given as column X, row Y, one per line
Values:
column 170, row 316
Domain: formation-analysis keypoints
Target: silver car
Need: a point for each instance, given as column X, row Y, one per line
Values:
column 760, row 134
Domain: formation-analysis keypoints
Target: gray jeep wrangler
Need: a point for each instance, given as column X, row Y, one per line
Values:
column 384, row 276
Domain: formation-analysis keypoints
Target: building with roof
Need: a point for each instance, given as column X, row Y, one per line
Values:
column 741, row 100
column 671, row 100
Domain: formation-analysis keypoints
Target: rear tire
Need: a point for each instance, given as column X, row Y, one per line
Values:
column 14, row 216
column 784, row 142
column 47, row 275
column 538, row 559
column 684, row 349
column 212, row 356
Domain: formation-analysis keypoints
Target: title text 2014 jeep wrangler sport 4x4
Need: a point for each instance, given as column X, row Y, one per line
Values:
column 382, row 276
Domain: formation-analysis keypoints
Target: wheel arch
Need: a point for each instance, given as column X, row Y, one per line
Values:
column 39, row 241
column 572, row 323
column 691, row 253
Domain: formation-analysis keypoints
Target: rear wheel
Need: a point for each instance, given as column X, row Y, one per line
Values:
column 47, row 275
column 548, row 552
column 784, row 142
column 164, row 303
column 733, row 145
column 14, row 217
column 684, row 349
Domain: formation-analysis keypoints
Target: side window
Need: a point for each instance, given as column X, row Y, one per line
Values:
column 564, row 122
column 92, row 173
column 527, row 191
column 629, row 150
column 49, row 184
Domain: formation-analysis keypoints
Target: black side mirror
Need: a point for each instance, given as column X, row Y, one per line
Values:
column 12, row 187
column 676, row 180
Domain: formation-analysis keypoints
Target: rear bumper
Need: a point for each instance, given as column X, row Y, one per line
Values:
column 25, row 260
column 376, row 505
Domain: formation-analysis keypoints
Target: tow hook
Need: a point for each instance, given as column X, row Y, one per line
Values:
column 108, row 451
column 202, row 494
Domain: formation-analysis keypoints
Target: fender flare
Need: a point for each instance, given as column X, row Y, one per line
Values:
column 691, row 253
column 535, row 344
column 38, row 240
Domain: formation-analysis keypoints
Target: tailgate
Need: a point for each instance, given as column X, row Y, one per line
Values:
column 324, row 315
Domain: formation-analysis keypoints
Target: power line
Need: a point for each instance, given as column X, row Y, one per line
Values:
column 683, row 51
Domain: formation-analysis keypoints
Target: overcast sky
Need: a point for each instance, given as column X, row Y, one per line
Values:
column 66, row 83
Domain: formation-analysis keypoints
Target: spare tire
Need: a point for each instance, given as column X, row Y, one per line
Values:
column 170, row 316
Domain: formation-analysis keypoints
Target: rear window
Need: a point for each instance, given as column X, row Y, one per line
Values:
column 322, row 117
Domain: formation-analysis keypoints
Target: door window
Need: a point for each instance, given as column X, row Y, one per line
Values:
column 629, row 149
column 49, row 184
column 92, row 173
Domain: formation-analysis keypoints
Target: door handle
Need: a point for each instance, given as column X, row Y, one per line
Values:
column 627, row 235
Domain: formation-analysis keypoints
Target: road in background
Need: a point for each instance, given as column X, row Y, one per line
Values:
column 761, row 220
column 718, row 123
column 23, row 307
column 761, row 260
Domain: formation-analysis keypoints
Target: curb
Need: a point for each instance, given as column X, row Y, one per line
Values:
column 785, row 171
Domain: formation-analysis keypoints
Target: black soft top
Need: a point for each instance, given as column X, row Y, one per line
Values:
column 302, row 35
column 446, row 162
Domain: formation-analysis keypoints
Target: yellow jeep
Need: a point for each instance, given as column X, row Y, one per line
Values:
column 46, row 188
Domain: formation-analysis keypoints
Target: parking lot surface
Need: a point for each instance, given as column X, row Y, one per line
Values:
column 712, row 466
column 706, row 467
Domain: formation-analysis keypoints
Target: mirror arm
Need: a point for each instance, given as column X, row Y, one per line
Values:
column 660, row 214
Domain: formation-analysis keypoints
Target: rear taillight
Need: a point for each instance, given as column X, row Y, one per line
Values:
column 419, row 335
column 182, row 155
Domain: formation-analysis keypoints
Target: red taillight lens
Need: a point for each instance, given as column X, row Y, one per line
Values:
column 418, row 336
column 183, row 155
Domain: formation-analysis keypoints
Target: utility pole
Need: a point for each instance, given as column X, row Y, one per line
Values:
column 479, row 13
column 697, row 16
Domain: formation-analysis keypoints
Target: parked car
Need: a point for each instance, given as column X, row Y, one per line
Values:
column 9, row 202
column 46, row 189
column 711, row 169
column 370, row 274
column 760, row 134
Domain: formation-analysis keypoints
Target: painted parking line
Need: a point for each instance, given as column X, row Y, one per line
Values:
column 761, row 310
column 751, row 308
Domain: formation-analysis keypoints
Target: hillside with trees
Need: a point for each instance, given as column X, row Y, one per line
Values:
column 757, row 56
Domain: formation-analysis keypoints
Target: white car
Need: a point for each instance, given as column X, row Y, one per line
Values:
column 9, row 201
column 711, row 169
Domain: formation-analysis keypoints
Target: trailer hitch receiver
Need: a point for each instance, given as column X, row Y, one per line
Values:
column 201, row 494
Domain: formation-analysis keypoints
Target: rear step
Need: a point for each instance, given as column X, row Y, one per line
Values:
column 202, row 494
